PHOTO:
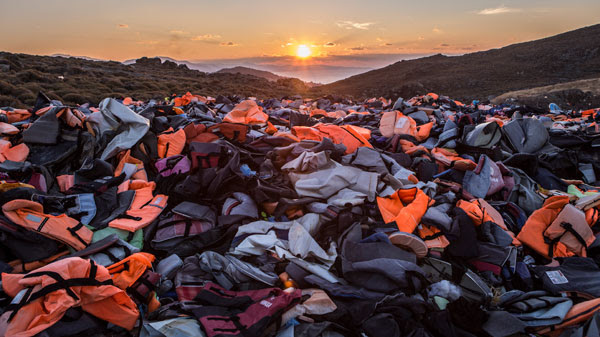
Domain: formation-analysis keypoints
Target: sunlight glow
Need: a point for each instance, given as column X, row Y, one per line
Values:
column 303, row 51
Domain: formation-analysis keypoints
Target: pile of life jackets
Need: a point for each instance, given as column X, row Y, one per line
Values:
column 235, row 216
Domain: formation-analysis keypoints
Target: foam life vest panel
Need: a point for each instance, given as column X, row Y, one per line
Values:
column 42, row 296
column 143, row 209
column 405, row 206
column 63, row 228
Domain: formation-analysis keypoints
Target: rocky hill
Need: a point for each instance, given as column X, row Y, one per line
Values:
column 566, row 57
column 76, row 80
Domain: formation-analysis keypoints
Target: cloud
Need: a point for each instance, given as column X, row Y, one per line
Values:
column 206, row 37
column 437, row 30
column 420, row 38
column 444, row 45
column 178, row 32
column 498, row 10
column 358, row 48
column 386, row 44
column 354, row 25
column 123, row 26
column 329, row 44
column 228, row 44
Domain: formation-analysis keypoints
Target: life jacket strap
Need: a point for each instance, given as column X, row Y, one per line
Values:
column 568, row 228
column 73, row 231
column 432, row 236
column 60, row 284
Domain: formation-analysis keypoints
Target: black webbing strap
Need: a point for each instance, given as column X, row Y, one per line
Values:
column 432, row 236
column 73, row 231
column 61, row 283
column 568, row 228
column 135, row 293
column 360, row 141
column 129, row 217
column 233, row 319
column 39, row 229
column 167, row 149
column 111, row 256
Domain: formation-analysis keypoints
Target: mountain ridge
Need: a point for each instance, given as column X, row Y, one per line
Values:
column 569, row 56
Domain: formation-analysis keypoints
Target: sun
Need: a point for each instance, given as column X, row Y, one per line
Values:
column 303, row 51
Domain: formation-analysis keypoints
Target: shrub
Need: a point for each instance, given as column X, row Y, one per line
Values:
column 31, row 75
column 79, row 98
column 7, row 88
column 8, row 101
column 33, row 87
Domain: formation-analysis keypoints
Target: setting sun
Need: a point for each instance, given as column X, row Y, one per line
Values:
column 303, row 51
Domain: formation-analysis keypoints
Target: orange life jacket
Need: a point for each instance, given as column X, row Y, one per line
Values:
column 422, row 131
column 532, row 233
column 144, row 208
column 231, row 131
column 198, row 133
column 126, row 158
column 410, row 148
column 578, row 313
column 405, row 206
column 183, row 100
column 432, row 236
column 30, row 214
column 128, row 274
column 449, row 157
column 351, row 136
column 171, row 143
column 271, row 129
column 247, row 112
column 13, row 153
column 20, row 267
column 395, row 123
column 16, row 115
column 8, row 129
column 65, row 182
column 571, row 229
column 480, row 211
column 67, row 283
column 433, row 95
column 307, row 133
column 127, row 271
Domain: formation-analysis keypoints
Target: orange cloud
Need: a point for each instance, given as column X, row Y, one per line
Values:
column 354, row 25
column 498, row 10
column 206, row 37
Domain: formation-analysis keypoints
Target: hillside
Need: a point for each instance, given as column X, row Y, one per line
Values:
column 250, row 71
column 76, row 81
column 580, row 94
column 570, row 56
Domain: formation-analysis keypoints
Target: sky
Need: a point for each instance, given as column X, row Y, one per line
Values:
column 343, row 36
